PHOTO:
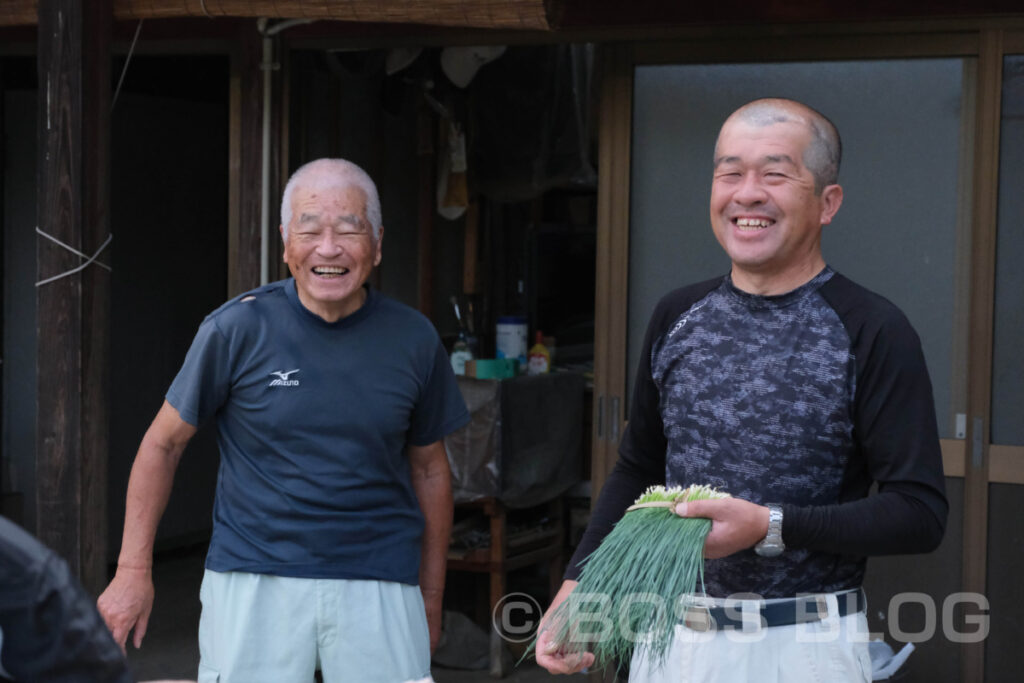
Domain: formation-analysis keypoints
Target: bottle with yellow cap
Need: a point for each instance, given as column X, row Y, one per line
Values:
column 538, row 361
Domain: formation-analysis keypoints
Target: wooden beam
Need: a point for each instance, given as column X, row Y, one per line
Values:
column 544, row 15
column 786, row 45
column 518, row 14
column 654, row 13
column 73, row 312
column 1006, row 464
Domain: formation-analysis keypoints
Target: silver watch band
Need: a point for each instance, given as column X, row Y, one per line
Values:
column 772, row 545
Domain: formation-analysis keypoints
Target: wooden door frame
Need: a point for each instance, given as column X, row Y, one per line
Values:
column 612, row 254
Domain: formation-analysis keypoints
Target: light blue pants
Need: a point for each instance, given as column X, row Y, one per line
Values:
column 258, row 628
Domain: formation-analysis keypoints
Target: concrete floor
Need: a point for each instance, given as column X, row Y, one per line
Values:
column 170, row 649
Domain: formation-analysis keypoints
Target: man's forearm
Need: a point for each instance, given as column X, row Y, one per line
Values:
column 432, row 482
column 127, row 602
column 434, row 492
column 149, row 486
column 894, row 521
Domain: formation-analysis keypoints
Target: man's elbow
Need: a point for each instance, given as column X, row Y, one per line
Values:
column 920, row 514
column 931, row 530
column 160, row 451
column 430, row 464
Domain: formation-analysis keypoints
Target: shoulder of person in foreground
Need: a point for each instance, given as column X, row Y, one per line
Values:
column 37, row 589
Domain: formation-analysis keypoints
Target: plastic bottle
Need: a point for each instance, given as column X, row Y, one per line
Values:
column 460, row 354
column 511, row 339
column 539, row 359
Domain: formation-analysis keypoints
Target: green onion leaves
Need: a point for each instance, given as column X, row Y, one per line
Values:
column 633, row 589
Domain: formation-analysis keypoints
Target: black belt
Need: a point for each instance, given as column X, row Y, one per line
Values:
column 801, row 610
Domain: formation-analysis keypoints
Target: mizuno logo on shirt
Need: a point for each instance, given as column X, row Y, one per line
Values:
column 282, row 378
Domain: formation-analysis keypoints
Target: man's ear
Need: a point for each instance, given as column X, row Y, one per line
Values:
column 380, row 246
column 284, row 242
column 831, row 200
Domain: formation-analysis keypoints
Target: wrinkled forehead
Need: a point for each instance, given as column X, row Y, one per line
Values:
column 328, row 197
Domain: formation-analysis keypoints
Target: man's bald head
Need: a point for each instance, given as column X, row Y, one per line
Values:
column 823, row 152
column 324, row 174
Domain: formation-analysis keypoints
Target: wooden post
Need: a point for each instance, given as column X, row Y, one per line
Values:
column 495, row 510
column 245, row 163
column 427, row 179
column 610, row 315
column 73, row 313
column 979, row 396
column 281, row 169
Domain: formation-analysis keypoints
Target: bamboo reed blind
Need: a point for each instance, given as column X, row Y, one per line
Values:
column 504, row 14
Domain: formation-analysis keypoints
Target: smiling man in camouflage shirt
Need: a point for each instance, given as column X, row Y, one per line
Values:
column 793, row 389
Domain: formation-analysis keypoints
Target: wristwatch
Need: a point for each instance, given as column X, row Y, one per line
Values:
column 772, row 545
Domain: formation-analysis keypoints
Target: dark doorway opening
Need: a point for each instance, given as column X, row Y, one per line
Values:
column 169, row 218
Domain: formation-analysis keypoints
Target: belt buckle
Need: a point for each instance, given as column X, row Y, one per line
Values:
column 698, row 618
column 697, row 614
column 806, row 615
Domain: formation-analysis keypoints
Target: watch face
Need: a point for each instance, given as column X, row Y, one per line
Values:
column 765, row 550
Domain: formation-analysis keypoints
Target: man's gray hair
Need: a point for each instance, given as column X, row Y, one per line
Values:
column 825, row 150
column 325, row 174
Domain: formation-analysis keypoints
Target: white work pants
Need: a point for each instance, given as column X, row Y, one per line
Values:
column 833, row 650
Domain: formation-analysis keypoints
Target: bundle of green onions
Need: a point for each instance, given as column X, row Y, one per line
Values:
column 632, row 587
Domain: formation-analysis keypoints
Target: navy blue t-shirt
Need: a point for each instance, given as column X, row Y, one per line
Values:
column 313, row 419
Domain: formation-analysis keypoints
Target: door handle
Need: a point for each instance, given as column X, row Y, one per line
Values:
column 613, row 419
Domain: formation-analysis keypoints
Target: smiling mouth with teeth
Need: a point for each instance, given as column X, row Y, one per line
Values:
column 751, row 224
column 329, row 271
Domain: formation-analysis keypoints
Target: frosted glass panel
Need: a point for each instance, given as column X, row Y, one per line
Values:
column 1007, row 360
column 896, row 232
